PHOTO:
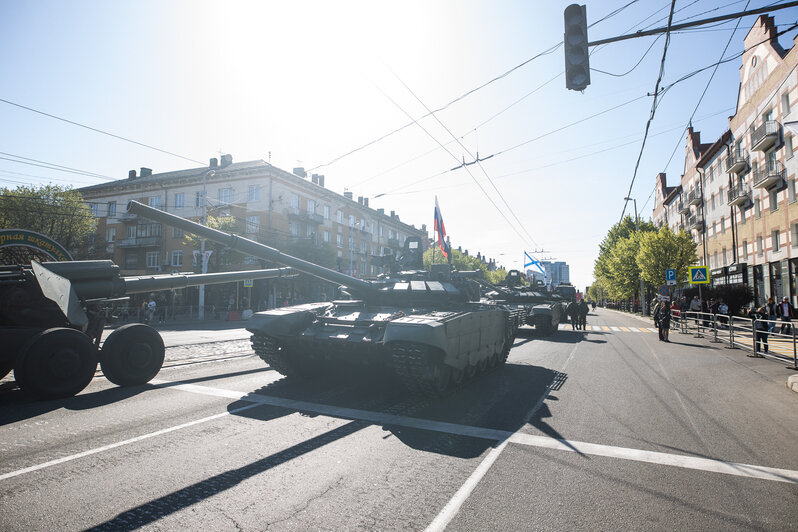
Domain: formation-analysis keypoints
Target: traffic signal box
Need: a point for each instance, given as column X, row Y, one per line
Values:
column 577, row 59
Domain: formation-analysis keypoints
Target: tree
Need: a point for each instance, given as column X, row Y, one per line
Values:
column 665, row 250
column 222, row 255
column 54, row 211
column 616, row 259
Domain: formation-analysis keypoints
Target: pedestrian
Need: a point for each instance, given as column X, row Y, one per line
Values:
column 151, row 307
column 662, row 318
column 772, row 314
column 695, row 308
column 723, row 313
column 583, row 310
column 786, row 311
column 676, row 311
column 761, row 329
column 705, row 312
column 573, row 313
column 593, row 304
column 655, row 314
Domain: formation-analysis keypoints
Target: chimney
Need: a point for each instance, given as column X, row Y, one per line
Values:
column 214, row 163
column 146, row 172
column 131, row 174
column 381, row 211
column 315, row 179
column 321, row 181
column 227, row 160
column 465, row 253
column 300, row 172
column 365, row 202
column 393, row 214
column 360, row 200
column 423, row 228
column 348, row 194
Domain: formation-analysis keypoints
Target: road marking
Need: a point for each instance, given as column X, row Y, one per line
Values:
column 605, row 328
column 626, row 329
column 616, row 329
column 120, row 443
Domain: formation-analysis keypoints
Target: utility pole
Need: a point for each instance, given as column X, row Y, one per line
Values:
column 205, row 176
column 637, row 230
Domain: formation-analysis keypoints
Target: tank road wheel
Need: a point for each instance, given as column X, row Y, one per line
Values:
column 56, row 363
column 419, row 369
column 278, row 358
column 132, row 354
column 436, row 378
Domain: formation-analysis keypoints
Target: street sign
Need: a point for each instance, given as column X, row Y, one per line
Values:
column 663, row 290
column 247, row 283
column 670, row 277
column 699, row 275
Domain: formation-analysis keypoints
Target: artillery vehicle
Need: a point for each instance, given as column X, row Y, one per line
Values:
column 540, row 309
column 51, row 323
column 428, row 327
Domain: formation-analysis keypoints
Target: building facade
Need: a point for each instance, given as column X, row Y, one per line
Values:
column 738, row 196
column 293, row 212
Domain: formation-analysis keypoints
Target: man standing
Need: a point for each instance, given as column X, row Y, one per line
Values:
column 583, row 310
column 785, row 314
column 695, row 307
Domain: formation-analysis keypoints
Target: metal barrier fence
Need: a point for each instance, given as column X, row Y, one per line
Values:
column 774, row 339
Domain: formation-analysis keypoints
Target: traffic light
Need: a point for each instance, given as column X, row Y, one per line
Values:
column 577, row 59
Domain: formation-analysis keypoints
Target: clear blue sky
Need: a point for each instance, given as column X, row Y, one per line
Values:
column 310, row 81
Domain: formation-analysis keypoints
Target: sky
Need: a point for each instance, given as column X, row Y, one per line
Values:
column 326, row 85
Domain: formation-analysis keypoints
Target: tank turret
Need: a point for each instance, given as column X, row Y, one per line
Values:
column 429, row 327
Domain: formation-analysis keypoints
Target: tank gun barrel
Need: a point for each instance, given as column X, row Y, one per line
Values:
column 139, row 285
column 250, row 247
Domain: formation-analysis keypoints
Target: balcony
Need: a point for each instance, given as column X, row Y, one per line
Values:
column 304, row 216
column 739, row 196
column 394, row 243
column 684, row 207
column 365, row 233
column 765, row 136
column 769, row 176
column 737, row 162
column 694, row 197
column 695, row 222
column 143, row 241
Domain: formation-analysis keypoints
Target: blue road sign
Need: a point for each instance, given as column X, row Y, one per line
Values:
column 699, row 275
column 670, row 277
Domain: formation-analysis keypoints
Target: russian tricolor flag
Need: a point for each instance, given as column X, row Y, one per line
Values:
column 440, row 229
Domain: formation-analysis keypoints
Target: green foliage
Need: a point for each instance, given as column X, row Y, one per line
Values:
column 55, row 211
column 306, row 249
column 222, row 255
column 464, row 262
column 664, row 250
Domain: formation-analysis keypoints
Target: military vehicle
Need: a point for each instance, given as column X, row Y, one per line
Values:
column 540, row 309
column 52, row 319
column 428, row 327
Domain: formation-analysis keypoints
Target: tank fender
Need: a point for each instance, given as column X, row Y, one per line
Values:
column 286, row 320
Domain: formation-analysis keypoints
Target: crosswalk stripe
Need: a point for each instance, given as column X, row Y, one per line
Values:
column 605, row 328
column 625, row 329
column 617, row 329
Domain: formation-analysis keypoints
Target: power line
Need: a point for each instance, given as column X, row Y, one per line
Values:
column 653, row 107
column 52, row 166
column 31, row 109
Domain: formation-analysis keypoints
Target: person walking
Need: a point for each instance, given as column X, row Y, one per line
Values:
column 761, row 330
column 662, row 317
column 785, row 312
column 695, row 308
column 583, row 310
column 676, row 311
column 723, row 313
column 573, row 313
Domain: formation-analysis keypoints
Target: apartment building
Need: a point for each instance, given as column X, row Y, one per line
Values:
column 738, row 193
column 259, row 200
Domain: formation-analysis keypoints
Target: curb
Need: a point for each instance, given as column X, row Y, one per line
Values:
column 792, row 383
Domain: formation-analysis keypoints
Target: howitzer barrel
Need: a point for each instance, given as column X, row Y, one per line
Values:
column 249, row 247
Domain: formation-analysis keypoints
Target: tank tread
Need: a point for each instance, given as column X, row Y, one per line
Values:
column 276, row 357
column 411, row 362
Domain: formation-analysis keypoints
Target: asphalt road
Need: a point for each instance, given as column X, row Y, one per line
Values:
column 606, row 429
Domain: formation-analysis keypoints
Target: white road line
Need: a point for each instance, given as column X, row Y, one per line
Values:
column 451, row 508
column 120, row 443
column 617, row 329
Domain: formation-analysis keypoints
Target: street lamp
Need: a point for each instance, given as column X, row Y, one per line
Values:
column 637, row 230
column 205, row 176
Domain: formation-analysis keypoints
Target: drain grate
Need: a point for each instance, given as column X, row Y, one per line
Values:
column 559, row 380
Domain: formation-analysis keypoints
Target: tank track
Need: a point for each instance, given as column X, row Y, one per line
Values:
column 409, row 362
column 276, row 357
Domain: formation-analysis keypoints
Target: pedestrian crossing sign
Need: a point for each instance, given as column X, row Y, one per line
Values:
column 699, row 275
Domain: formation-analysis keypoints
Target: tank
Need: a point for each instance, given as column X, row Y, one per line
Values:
column 427, row 327
column 538, row 307
column 52, row 319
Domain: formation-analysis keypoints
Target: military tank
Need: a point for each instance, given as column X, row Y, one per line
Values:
column 427, row 327
column 538, row 308
column 52, row 319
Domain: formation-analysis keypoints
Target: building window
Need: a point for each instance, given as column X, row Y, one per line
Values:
column 794, row 236
column 177, row 233
column 293, row 228
column 177, row 257
column 111, row 208
column 720, row 197
column 774, row 239
column 759, row 249
column 294, row 202
column 226, row 196
column 774, row 200
column 253, row 223
column 110, row 234
column 339, row 240
column 180, row 201
column 724, row 256
column 745, row 249
column 153, row 259
column 254, row 193
column 131, row 260
column 351, row 220
column 339, row 216
column 148, row 230
column 791, row 190
column 712, row 202
column 785, row 104
column 757, row 208
column 308, row 231
column 788, row 148
column 326, row 236
column 723, row 225
column 363, row 247
column 326, row 212
column 198, row 199
column 155, row 202
column 311, row 206
column 95, row 209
